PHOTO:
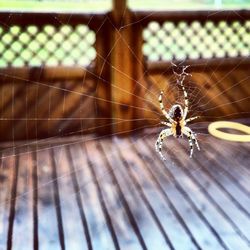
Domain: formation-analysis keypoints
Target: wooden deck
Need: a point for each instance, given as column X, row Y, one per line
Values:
column 116, row 193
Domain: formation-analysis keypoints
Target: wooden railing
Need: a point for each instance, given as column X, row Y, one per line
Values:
column 218, row 28
column 110, row 68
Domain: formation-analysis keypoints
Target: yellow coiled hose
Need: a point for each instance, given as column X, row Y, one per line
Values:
column 214, row 127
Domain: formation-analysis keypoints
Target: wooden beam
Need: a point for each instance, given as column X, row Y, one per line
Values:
column 24, row 19
column 51, row 74
column 189, row 16
column 165, row 67
column 119, row 9
column 126, row 60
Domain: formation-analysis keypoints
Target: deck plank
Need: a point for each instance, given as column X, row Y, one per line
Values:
column 12, row 212
column 23, row 223
column 48, row 229
column 35, row 199
column 7, row 175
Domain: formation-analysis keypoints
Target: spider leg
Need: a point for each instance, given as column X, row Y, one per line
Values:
column 189, row 133
column 180, row 79
column 158, row 145
column 191, row 137
column 190, row 145
column 163, row 109
column 185, row 112
column 195, row 140
column 167, row 124
column 191, row 119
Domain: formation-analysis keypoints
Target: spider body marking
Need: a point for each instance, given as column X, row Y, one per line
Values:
column 176, row 122
column 177, row 114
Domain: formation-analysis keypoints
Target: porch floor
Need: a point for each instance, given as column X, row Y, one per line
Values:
column 116, row 193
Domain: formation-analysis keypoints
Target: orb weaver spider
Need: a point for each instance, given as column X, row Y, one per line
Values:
column 176, row 120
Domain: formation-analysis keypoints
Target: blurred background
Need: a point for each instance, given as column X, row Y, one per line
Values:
column 65, row 42
column 104, row 5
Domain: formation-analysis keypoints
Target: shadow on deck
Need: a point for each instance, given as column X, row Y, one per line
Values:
column 116, row 193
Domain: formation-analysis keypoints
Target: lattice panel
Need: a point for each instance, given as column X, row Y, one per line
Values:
column 182, row 40
column 48, row 45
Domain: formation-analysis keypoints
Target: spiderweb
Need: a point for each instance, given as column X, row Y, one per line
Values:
column 83, row 92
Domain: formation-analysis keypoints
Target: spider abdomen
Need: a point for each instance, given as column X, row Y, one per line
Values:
column 178, row 129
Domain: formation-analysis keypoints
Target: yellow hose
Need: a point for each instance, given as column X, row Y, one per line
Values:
column 213, row 130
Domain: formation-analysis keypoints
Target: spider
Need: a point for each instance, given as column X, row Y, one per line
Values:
column 176, row 120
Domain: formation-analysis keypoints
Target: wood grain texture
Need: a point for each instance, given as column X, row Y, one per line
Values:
column 116, row 193
column 40, row 110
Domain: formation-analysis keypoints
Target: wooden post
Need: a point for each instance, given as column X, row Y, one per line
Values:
column 102, row 71
column 125, row 60
column 119, row 68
